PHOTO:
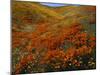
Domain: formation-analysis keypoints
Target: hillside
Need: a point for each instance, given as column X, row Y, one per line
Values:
column 50, row 39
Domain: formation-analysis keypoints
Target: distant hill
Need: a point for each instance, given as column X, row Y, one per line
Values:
column 26, row 15
column 34, row 9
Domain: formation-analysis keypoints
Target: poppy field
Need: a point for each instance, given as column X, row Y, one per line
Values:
column 51, row 38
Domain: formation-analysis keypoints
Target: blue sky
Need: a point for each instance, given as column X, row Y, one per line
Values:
column 54, row 4
column 57, row 4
